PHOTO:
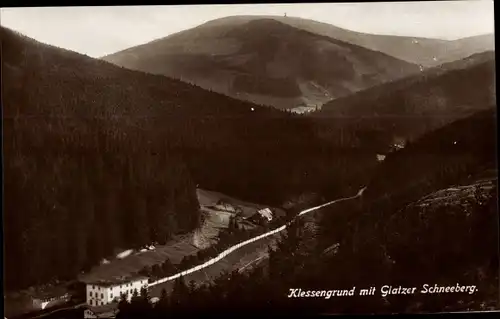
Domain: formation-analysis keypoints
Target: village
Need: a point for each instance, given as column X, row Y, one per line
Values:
column 100, row 290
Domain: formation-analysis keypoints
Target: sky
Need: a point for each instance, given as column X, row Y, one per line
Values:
column 97, row 31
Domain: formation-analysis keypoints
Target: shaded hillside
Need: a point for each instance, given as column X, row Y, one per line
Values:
column 447, row 156
column 107, row 158
column 264, row 61
column 405, row 232
column 78, row 183
column 427, row 206
column 456, row 150
column 407, row 108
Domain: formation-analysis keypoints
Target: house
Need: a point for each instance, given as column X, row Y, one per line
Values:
column 398, row 143
column 261, row 216
column 88, row 313
column 266, row 213
column 50, row 298
column 225, row 206
column 103, row 292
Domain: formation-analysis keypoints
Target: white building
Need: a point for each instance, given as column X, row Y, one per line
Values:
column 104, row 292
column 266, row 213
column 48, row 300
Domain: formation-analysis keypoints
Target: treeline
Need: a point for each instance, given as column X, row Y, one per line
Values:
column 98, row 157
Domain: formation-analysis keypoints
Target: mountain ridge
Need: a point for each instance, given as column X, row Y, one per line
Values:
column 247, row 61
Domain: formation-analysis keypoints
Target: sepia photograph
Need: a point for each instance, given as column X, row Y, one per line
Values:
column 287, row 158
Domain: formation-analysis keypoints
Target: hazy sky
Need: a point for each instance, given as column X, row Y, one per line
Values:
column 97, row 31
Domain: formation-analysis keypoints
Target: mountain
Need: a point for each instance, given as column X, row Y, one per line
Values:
column 264, row 61
column 107, row 158
column 422, row 51
column 405, row 109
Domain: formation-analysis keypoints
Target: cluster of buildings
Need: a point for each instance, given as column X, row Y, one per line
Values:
column 102, row 296
column 265, row 213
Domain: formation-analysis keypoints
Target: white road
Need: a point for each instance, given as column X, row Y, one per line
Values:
column 224, row 253
column 246, row 242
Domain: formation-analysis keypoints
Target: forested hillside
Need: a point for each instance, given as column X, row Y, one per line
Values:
column 410, row 244
column 410, row 107
column 442, row 158
column 390, row 237
column 80, row 184
column 97, row 158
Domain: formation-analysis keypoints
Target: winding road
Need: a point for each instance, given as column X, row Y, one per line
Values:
column 219, row 257
column 246, row 242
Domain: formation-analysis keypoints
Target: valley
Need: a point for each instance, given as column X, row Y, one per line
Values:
column 214, row 168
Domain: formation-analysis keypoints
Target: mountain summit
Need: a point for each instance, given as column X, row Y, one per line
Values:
column 265, row 61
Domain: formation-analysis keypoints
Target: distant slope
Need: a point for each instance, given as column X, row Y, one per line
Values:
column 422, row 51
column 264, row 61
column 407, row 108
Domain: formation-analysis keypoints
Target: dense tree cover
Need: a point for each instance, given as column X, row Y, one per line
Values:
column 386, row 239
column 72, row 201
column 414, row 105
column 443, row 157
column 439, row 158
column 411, row 245
column 99, row 157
